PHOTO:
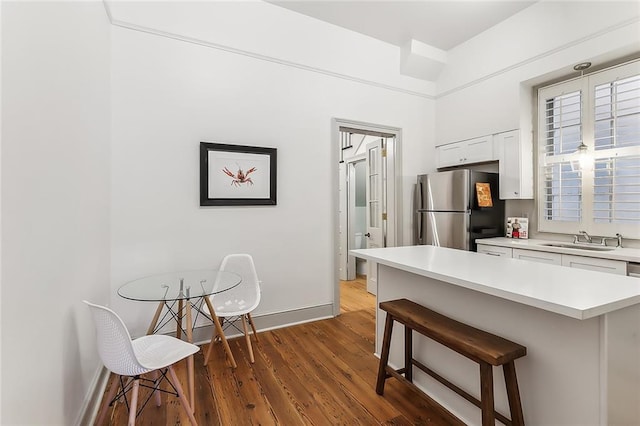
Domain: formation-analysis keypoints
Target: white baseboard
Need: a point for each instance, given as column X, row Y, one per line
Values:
column 91, row 404
column 202, row 335
column 266, row 322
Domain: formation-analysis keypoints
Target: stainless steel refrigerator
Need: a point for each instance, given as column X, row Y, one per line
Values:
column 448, row 211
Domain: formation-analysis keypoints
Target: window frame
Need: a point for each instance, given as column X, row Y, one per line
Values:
column 586, row 85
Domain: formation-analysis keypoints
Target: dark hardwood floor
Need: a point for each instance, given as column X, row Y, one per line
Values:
column 319, row 373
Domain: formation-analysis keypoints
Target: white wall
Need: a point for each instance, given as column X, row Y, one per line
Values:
column 55, row 205
column 168, row 95
column 480, row 89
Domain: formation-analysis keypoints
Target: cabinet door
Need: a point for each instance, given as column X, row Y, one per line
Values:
column 595, row 264
column 494, row 250
column 538, row 256
column 478, row 150
column 449, row 155
column 515, row 166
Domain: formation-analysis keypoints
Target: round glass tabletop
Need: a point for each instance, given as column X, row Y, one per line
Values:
column 179, row 285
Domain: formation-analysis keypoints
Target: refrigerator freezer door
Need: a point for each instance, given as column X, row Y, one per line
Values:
column 447, row 191
column 447, row 229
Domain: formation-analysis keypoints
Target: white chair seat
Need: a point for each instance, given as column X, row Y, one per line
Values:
column 157, row 351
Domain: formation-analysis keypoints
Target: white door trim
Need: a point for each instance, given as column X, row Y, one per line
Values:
column 393, row 189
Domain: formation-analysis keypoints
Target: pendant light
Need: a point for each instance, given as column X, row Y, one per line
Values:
column 583, row 157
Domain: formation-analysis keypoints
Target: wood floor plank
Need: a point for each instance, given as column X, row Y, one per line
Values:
column 301, row 385
column 352, row 385
column 267, row 374
column 344, row 405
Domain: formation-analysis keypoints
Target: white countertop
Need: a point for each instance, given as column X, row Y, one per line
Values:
column 619, row 253
column 575, row 293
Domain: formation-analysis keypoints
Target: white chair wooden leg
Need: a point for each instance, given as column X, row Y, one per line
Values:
column 181, row 395
column 157, row 378
column 133, row 407
column 220, row 331
column 115, row 384
column 253, row 327
column 210, row 348
column 247, row 338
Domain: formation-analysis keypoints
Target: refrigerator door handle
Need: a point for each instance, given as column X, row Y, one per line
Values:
column 417, row 203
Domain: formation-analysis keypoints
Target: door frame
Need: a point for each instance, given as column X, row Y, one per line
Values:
column 393, row 189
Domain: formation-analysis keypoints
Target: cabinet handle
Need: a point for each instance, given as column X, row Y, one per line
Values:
column 515, row 192
column 492, row 254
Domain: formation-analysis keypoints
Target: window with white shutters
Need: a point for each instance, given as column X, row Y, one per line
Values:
column 601, row 111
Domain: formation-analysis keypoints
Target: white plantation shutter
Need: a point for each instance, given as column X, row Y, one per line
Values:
column 563, row 193
column 602, row 111
column 616, row 190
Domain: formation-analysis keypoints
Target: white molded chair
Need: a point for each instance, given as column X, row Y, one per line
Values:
column 237, row 303
column 154, row 354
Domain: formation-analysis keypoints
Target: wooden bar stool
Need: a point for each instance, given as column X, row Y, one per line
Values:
column 486, row 349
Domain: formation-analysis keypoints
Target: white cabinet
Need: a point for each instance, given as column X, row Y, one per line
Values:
column 538, row 256
column 476, row 150
column 495, row 250
column 572, row 261
column 515, row 165
column 595, row 264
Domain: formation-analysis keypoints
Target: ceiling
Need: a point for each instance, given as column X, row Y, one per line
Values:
column 438, row 23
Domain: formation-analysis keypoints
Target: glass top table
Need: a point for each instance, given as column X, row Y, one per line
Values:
column 187, row 290
column 182, row 285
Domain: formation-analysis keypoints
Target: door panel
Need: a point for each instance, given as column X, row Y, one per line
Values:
column 342, row 223
column 375, row 207
column 448, row 191
column 448, row 229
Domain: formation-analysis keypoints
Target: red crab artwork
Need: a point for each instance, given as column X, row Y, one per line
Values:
column 240, row 177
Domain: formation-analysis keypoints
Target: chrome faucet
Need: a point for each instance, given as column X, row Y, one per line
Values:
column 587, row 237
column 617, row 239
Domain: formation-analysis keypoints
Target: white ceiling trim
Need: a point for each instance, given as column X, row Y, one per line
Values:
column 186, row 39
column 630, row 22
column 134, row 27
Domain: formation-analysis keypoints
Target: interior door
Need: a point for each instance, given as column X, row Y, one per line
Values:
column 375, row 206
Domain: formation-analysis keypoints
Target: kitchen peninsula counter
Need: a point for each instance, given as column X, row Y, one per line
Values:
column 581, row 329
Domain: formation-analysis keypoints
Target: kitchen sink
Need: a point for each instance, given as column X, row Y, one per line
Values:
column 579, row 246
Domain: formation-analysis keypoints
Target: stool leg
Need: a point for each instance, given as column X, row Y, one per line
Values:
column 384, row 356
column 408, row 353
column 486, row 392
column 515, row 405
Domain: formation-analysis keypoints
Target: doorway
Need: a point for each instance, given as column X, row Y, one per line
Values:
column 369, row 197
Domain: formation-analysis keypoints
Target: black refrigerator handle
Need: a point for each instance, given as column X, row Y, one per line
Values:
column 417, row 205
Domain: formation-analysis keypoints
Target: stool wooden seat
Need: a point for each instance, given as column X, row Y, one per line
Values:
column 486, row 349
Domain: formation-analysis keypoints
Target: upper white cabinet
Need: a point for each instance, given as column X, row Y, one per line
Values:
column 515, row 165
column 513, row 152
column 476, row 150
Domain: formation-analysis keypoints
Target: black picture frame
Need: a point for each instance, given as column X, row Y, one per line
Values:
column 237, row 175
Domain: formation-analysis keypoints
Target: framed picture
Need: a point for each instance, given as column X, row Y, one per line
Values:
column 237, row 175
